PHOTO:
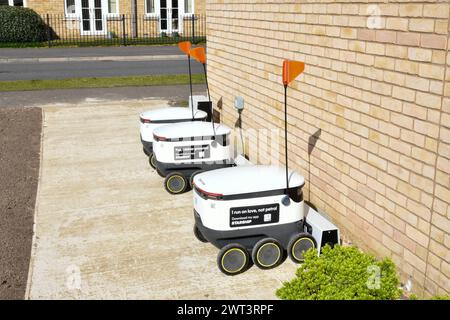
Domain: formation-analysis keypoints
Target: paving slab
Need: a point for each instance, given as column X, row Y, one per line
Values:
column 105, row 228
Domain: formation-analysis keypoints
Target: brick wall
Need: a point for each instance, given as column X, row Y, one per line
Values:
column 200, row 7
column 57, row 6
column 379, row 90
column 47, row 6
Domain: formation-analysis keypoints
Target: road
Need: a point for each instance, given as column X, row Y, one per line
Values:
column 40, row 63
column 64, row 70
column 87, row 52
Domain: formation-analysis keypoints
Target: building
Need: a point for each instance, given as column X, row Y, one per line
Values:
column 93, row 17
column 369, row 119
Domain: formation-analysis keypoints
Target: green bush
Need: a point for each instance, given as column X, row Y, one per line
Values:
column 440, row 298
column 18, row 24
column 342, row 273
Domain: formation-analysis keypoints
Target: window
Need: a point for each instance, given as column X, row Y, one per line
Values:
column 15, row 3
column 189, row 6
column 70, row 8
column 113, row 7
column 150, row 7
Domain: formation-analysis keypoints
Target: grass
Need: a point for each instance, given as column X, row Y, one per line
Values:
column 104, row 82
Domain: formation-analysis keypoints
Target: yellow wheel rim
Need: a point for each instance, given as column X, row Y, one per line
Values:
column 278, row 258
column 229, row 251
column 293, row 247
column 171, row 179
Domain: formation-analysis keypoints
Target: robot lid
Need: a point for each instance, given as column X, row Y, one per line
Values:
column 246, row 179
column 192, row 129
column 168, row 114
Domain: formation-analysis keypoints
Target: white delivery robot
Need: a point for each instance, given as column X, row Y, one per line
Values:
column 257, row 213
column 154, row 118
column 198, row 111
column 183, row 150
column 249, row 215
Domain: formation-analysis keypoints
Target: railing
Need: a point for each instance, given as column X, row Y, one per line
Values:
column 122, row 30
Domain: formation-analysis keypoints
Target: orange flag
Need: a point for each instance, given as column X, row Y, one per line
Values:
column 185, row 46
column 199, row 54
column 291, row 70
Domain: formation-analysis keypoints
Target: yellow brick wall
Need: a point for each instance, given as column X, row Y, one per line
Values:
column 200, row 7
column 57, row 6
column 47, row 6
column 375, row 88
column 438, row 267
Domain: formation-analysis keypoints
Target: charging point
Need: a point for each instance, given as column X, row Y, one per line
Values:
column 239, row 103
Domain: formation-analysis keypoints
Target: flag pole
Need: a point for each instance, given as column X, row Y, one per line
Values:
column 190, row 85
column 285, row 137
column 209, row 98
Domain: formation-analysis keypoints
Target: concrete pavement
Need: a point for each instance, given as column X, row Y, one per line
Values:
column 106, row 228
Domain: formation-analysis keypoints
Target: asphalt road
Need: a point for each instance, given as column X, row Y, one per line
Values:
column 92, row 62
column 87, row 52
column 69, row 69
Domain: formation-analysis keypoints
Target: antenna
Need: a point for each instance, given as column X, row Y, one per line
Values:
column 200, row 55
column 186, row 48
column 291, row 70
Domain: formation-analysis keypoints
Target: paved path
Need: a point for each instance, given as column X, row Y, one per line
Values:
column 105, row 227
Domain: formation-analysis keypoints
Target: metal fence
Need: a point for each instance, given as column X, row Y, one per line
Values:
column 122, row 30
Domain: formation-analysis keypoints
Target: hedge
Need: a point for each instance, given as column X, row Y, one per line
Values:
column 18, row 24
column 342, row 273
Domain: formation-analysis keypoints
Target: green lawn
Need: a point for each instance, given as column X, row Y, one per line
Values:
column 107, row 82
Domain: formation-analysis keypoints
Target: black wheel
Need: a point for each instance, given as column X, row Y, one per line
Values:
column 191, row 179
column 175, row 183
column 199, row 235
column 299, row 245
column 146, row 152
column 267, row 253
column 233, row 259
column 151, row 161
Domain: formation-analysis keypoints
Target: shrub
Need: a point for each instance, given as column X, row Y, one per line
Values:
column 342, row 273
column 18, row 24
column 440, row 298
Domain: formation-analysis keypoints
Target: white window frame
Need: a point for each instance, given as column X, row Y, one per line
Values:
column 189, row 14
column 71, row 15
column 11, row 3
column 157, row 10
column 77, row 13
column 113, row 15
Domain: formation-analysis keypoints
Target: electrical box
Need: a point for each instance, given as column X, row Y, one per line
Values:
column 239, row 103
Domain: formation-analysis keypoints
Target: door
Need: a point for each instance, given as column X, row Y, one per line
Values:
column 170, row 16
column 93, row 18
